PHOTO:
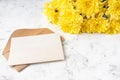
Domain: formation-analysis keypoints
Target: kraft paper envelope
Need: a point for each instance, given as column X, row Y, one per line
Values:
column 35, row 49
column 21, row 33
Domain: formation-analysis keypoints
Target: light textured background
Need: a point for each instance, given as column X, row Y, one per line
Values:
column 88, row 57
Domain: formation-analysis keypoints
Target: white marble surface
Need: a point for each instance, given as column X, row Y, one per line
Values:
column 88, row 57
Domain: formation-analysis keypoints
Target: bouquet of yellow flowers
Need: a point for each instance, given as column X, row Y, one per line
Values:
column 85, row 16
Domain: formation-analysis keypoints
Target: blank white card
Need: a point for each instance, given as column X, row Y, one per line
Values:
column 35, row 49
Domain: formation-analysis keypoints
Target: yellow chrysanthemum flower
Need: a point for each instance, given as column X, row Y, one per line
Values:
column 88, row 7
column 95, row 25
column 70, row 24
column 114, row 8
column 113, row 27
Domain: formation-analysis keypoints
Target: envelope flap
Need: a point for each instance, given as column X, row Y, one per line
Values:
column 25, row 32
